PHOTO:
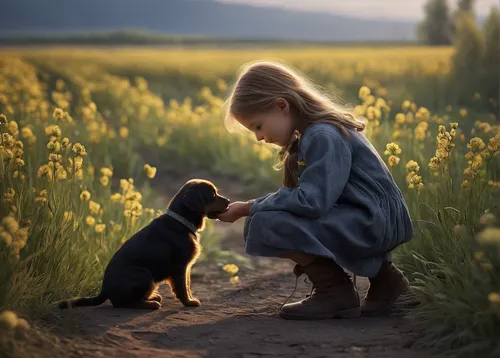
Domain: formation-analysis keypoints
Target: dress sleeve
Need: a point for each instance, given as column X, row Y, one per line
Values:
column 328, row 164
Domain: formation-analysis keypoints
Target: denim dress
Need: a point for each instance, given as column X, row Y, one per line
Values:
column 347, row 206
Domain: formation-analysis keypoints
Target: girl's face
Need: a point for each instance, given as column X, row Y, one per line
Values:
column 275, row 126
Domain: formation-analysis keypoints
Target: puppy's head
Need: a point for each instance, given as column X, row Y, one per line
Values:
column 201, row 197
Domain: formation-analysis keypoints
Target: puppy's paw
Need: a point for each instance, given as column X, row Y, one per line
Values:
column 194, row 302
column 155, row 297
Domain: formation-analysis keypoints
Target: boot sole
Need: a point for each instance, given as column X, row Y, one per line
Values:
column 403, row 286
column 349, row 313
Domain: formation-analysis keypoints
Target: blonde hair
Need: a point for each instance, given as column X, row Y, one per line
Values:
column 256, row 89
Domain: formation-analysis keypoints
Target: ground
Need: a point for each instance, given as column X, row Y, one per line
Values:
column 234, row 320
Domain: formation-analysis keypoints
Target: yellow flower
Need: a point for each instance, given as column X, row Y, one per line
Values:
column 463, row 112
column 392, row 149
column 85, row 195
column 400, row 118
column 61, row 173
column 100, row 228
column 10, row 224
column 116, row 197
column 68, row 215
column 364, row 92
column 94, row 207
column 3, row 120
column 5, row 237
column 150, row 171
column 476, row 144
column 53, row 130
column 9, row 195
column 8, row 319
column 234, row 280
column 58, row 114
column 79, row 149
column 104, row 180
column 231, row 268
column 393, row 160
column 90, row 220
column 107, row 172
column 406, row 105
column 412, row 166
column 494, row 297
column 123, row 132
column 489, row 236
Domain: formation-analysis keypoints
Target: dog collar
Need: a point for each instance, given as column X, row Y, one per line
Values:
column 182, row 221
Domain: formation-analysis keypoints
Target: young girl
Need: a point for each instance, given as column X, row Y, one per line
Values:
column 339, row 207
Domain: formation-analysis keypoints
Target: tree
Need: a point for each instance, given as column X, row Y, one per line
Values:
column 468, row 57
column 465, row 6
column 435, row 28
column 491, row 61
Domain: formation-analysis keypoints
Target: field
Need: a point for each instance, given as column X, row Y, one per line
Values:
column 96, row 140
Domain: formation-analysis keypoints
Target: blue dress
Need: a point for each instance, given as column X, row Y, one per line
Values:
column 347, row 206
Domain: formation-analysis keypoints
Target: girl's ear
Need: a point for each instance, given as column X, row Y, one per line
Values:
column 283, row 105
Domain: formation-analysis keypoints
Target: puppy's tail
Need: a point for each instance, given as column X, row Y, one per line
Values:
column 83, row 301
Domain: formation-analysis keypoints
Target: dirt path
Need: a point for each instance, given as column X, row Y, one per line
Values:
column 236, row 321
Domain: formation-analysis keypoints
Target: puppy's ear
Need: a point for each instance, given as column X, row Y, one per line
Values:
column 194, row 202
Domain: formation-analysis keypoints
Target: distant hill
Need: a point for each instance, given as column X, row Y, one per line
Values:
column 192, row 17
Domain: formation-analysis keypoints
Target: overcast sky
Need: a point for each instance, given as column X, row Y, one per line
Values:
column 393, row 9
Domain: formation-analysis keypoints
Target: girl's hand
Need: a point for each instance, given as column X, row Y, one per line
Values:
column 235, row 210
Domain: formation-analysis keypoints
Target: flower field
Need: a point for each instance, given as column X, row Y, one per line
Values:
column 84, row 132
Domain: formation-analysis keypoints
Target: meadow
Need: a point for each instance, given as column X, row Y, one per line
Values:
column 86, row 133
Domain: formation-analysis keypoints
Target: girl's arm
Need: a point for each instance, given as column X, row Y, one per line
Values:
column 328, row 159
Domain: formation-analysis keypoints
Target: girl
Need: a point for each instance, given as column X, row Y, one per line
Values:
column 339, row 207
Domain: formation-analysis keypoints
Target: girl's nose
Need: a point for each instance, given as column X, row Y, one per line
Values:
column 259, row 137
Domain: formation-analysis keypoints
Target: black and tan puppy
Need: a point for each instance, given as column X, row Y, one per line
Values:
column 164, row 250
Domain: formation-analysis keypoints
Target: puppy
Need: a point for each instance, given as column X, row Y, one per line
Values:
column 164, row 250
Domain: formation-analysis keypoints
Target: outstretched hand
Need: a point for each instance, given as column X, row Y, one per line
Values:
column 235, row 210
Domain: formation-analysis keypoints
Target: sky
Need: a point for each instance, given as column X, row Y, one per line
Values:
column 389, row 9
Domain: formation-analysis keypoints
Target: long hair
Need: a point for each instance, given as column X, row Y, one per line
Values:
column 255, row 91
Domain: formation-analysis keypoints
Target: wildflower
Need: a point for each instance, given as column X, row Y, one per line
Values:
column 5, row 237
column 94, row 207
column 3, row 120
column 90, row 220
column 400, row 118
column 416, row 183
column 234, row 280
column 79, row 149
column 53, row 131
column 65, row 143
column 67, row 216
column 8, row 319
column 406, row 105
column 494, row 297
column 412, row 166
column 150, row 171
column 423, row 114
column 393, row 160
column 124, row 132
column 104, row 180
column 61, row 173
column 9, row 195
column 479, row 255
column 100, row 228
column 463, row 112
column 476, row 144
column 364, row 92
column 489, row 236
column 231, row 268
column 54, row 146
column 10, row 224
column 107, row 172
column 392, row 149
column 85, row 195
column 58, row 114
column 116, row 197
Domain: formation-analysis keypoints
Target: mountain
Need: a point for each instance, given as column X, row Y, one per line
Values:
column 193, row 17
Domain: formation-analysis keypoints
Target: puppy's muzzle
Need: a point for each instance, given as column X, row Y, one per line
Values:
column 219, row 206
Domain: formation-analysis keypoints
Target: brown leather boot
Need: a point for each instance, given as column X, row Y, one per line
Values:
column 385, row 288
column 333, row 294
